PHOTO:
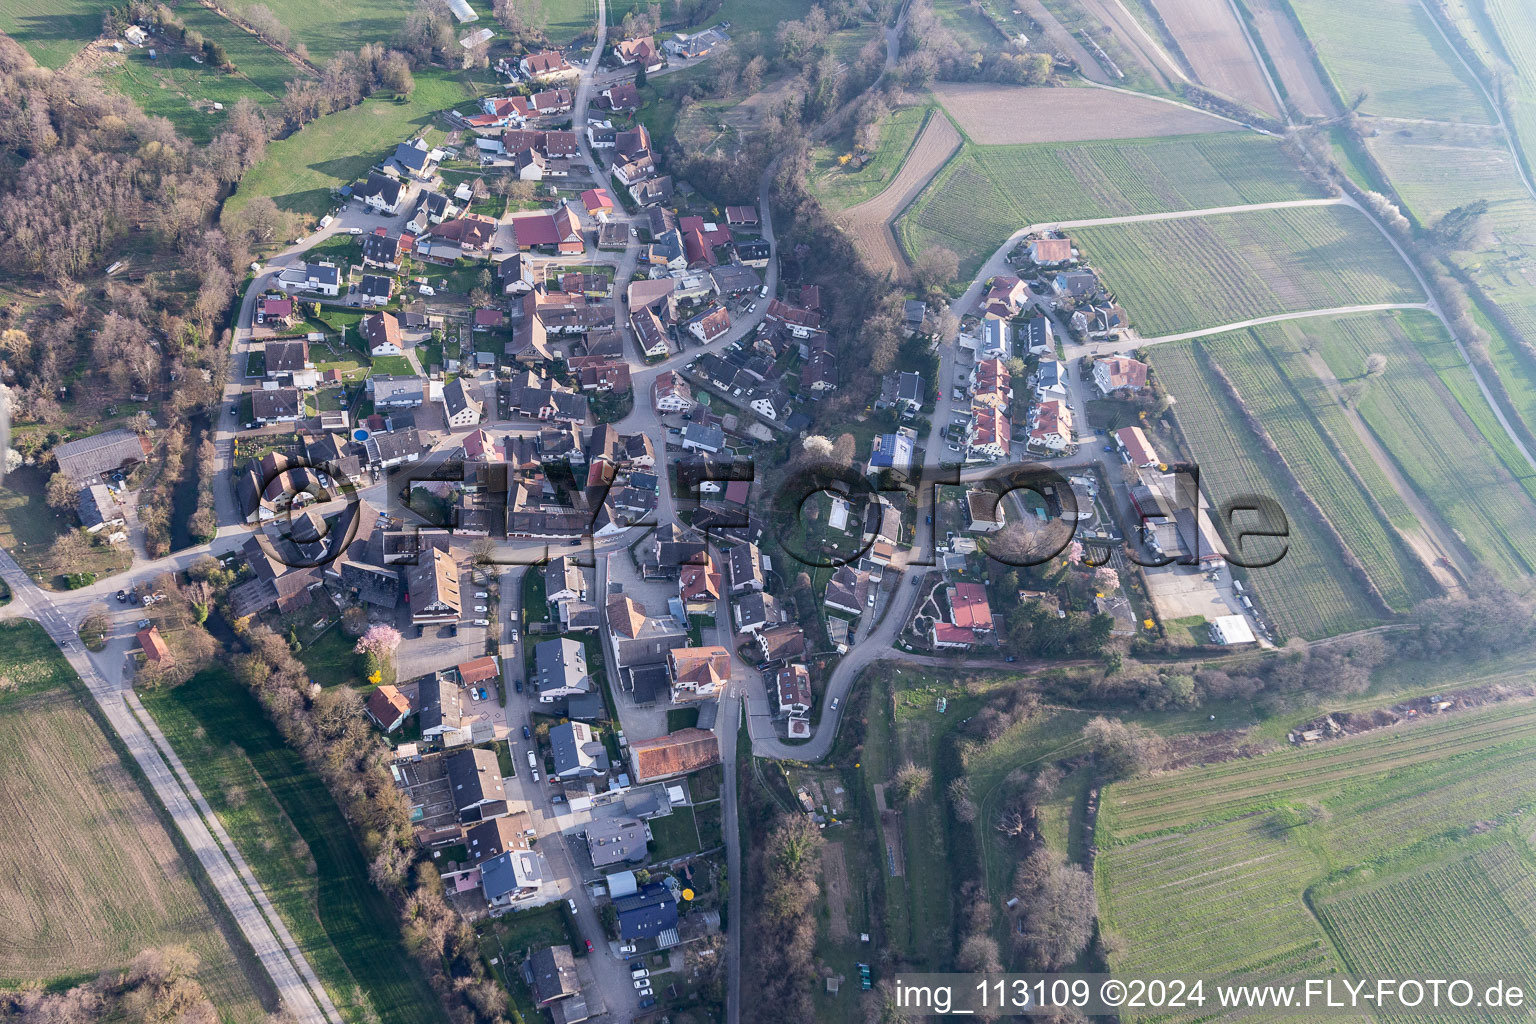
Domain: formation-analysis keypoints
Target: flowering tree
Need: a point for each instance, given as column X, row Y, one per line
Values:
column 377, row 647
column 380, row 641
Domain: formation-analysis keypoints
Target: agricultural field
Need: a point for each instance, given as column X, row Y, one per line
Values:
column 970, row 28
column 329, row 29
column 869, row 222
column 1393, row 836
column 1391, row 50
column 301, row 171
column 1438, row 169
column 52, row 31
column 1265, row 366
column 1307, row 593
column 839, row 187
column 320, row 880
column 176, row 87
column 89, row 889
column 1427, row 412
column 1201, row 272
column 1291, row 61
column 1212, row 40
column 996, row 115
column 986, row 193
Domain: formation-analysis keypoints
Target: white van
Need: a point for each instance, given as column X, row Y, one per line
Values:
column 533, row 762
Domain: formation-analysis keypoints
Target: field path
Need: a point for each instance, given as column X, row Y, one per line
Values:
column 1303, row 84
column 281, row 959
column 1137, row 39
column 1376, row 307
column 869, row 222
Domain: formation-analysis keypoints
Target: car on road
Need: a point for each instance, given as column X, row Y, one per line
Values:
column 480, row 608
column 1109, row 448
column 835, row 702
column 122, row 595
column 916, row 580
column 527, row 734
column 928, row 520
column 1011, row 659
column 354, row 231
column 573, row 905
column 481, row 593
column 519, row 685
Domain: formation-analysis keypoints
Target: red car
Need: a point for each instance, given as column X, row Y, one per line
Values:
column 589, row 945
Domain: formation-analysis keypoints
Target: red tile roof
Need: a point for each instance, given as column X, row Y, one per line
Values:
column 969, row 607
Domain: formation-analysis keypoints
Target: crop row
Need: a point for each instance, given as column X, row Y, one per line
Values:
column 1447, row 919
column 1308, row 592
column 1202, row 272
column 1314, row 460
column 1146, row 805
column 1426, row 410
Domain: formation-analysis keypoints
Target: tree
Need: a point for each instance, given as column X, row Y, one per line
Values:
column 1055, row 912
column 1120, row 749
column 935, row 267
column 68, row 551
column 377, row 648
column 62, row 494
column 912, row 781
column 94, row 627
column 354, row 620
column 640, row 77
column 1375, row 365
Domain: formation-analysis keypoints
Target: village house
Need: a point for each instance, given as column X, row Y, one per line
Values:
column 987, row 437
column 698, row 673
column 433, row 586
column 1050, row 252
column 848, row 590
column 794, row 690
column 382, row 333
column 546, row 66
column 984, row 511
column 461, row 402
column 1051, row 426
column 678, row 753
column 98, row 511
column 641, row 51
column 388, row 708
column 286, row 357
column 901, row 391
column 1119, row 374
column 415, row 159
column 275, row 312
column 380, row 193
column 577, row 751
column 670, row 393
column 321, row 278
column 277, row 405
column 560, row 669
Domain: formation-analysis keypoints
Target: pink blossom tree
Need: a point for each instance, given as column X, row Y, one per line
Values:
column 377, row 647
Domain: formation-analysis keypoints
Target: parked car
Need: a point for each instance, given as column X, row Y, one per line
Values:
column 481, row 593
column 642, row 983
column 354, row 231
column 533, row 761
column 480, row 608
column 627, row 949
column 122, row 595
column 1109, row 448
column 647, row 1002
column 589, row 945
column 639, row 971
column 484, row 694
column 928, row 520
column 527, row 734
column 145, row 624
column 645, row 993
column 1011, row 659
column 535, row 775
column 915, row 581
column 572, row 904
column 519, row 685
column 556, row 798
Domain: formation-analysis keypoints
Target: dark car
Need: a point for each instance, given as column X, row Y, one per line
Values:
column 1109, row 447
column 526, row 733
column 122, row 595
column 647, row 1002
column 915, row 580
column 519, row 685
column 928, row 519
column 1010, row 659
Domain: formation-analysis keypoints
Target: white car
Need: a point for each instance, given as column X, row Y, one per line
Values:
column 533, row 762
column 642, row 984
column 835, row 702
column 627, row 949
column 573, row 905
column 481, row 593
column 640, row 972
column 427, row 289
column 354, row 231
column 480, row 608
column 644, row 993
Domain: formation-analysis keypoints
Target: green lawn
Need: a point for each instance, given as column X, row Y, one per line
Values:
column 261, row 829
column 52, row 31
column 330, row 659
column 301, row 171
column 985, row 193
column 355, row 916
column 839, row 187
column 328, row 29
column 176, row 87
column 28, row 527
column 676, row 834
column 391, row 365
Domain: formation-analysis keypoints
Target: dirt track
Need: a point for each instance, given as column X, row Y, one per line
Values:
column 869, row 223
column 1130, row 34
column 1214, row 45
column 1003, row 114
column 1303, row 87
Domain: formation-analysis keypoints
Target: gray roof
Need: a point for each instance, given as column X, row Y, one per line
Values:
column 405, row 389
column 325, row 273
column 85, row 460
column 615, row 841
column 560, row 664
column 576, row 750
column 440, row 703
column 278, row 403
column 711, row 436
column 96, row 506
column 475, row 777
column 554, row 974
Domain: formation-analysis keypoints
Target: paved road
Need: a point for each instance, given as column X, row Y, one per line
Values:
column 1111, row 346
column 297, row 987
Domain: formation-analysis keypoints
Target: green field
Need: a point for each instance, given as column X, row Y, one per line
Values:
column 1199, row 272
column 1392, row 51
column 329, row 29
column 839, row 188
column 1308, row 592
column 176, row 87
column 1438, row 170
column 986, row 193
column 1266, row 366
column 1393, row 837
column 52, row 31
column 324, row 881
column 561, row 20
column 300, row 172
column 971, row 29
